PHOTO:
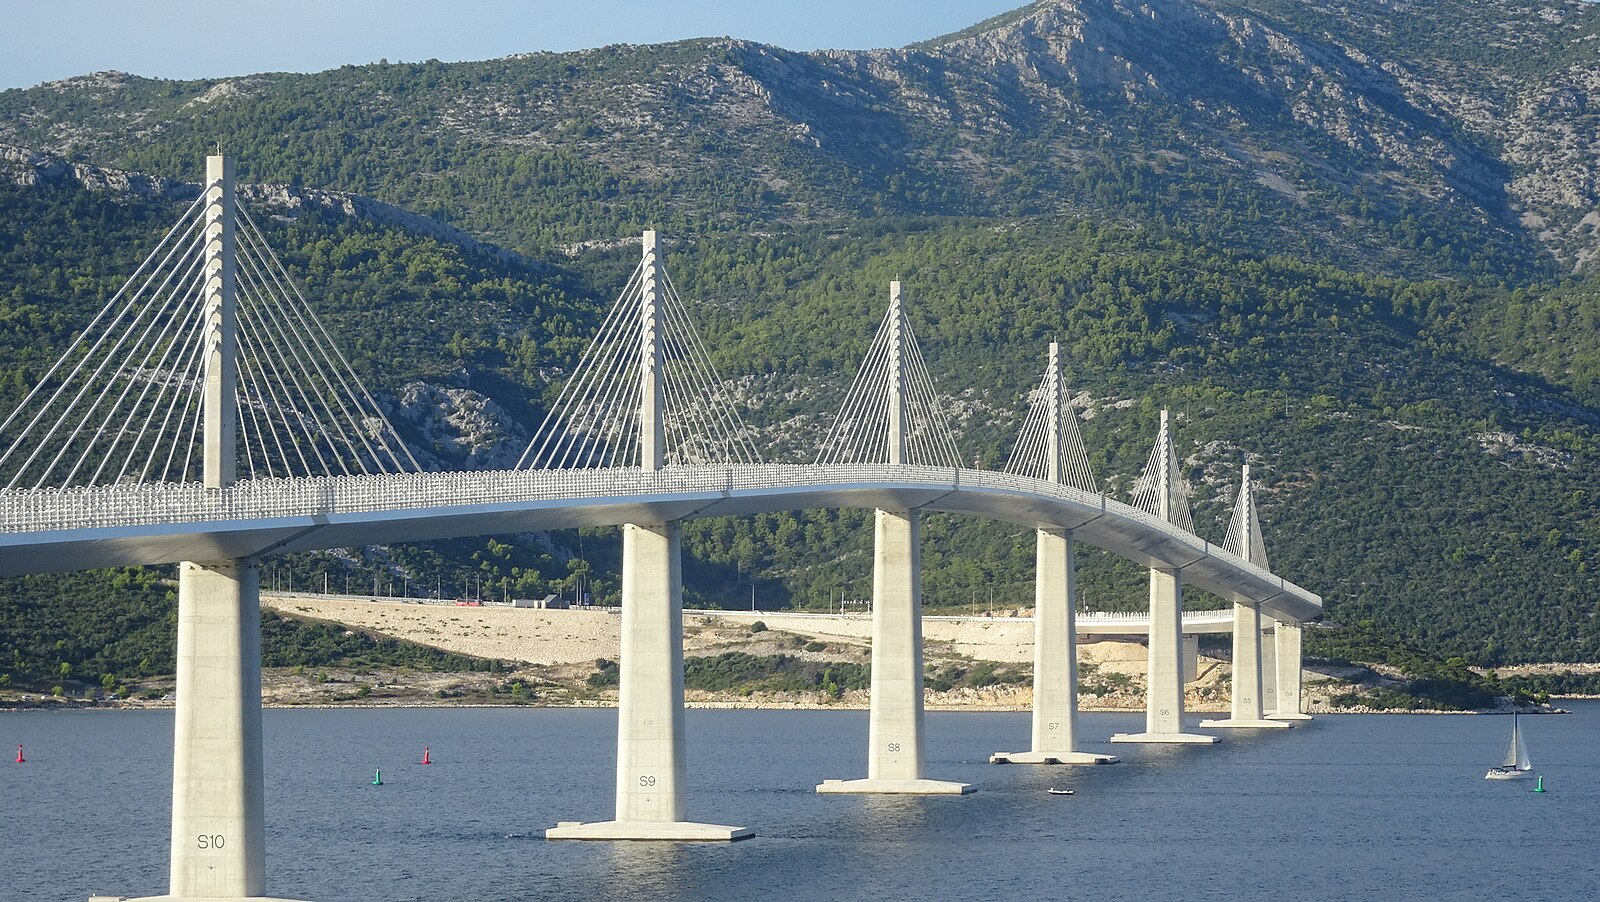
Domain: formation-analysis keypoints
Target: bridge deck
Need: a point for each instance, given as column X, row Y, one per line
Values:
column 75, row 529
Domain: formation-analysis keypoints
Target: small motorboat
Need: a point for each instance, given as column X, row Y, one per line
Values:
column 1059, row 792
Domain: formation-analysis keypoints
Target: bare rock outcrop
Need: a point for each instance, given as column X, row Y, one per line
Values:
column 458, row 428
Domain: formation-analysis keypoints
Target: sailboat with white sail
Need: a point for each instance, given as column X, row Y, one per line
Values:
column 1516, row 764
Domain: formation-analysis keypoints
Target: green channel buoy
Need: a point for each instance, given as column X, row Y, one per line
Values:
column 377, row 778
column 1539, row 787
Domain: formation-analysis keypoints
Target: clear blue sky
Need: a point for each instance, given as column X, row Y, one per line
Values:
column 45, row 40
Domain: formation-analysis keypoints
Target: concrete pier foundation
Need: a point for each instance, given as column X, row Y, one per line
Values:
column 1246, row 708
column 894, row 740
column 1289, row 665
column 218, row 814
column 652, row 800
column 1164, row 693
column 1055, row 661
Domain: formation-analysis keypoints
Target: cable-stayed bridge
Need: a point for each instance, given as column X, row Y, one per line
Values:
column 206, row 418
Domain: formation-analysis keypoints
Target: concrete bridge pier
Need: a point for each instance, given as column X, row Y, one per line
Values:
column 1244, row 534
column 894, row 741
column 1164, row 686
column 218, row 822
column 1289, row 663
column 1246, row 708
column 652, row 797
column 1055, row 661
column 1269, row 667
column 218, row 819
column 652, row 800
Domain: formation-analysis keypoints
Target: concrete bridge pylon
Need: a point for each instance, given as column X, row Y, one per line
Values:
column 1164, row 683
column 1055, row 633
column 1246, row 709
column 894, row 742
column 652, row 771
column 218, row 809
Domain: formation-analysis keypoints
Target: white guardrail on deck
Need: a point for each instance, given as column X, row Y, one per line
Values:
column 93, row 507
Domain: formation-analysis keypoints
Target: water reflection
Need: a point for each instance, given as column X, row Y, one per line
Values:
column 884, row 816
column 648, row 868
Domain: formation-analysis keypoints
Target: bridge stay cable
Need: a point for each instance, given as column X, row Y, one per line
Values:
column 296, row 415
column 1161, row 489
column 892, row 369
column 333, row 419
column 87, row 370
column 862, row 387
column 723, row 417
column 1050, row 446
column 170, row 312
column 257, row 321
column 170, row 373
column 187, row 375
column 549, row 439
column 122, row 404
column 930, row 426
column 91, row 329
column 595, row 419
column 600, row 410
column 324, row 399
column 345, row 387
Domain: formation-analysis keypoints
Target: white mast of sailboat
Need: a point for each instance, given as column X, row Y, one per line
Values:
column 1517, row 753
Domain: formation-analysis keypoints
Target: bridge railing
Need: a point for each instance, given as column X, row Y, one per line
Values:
column 1034, row 487
column 89, row 507
column 49, row 509
column 45, row 510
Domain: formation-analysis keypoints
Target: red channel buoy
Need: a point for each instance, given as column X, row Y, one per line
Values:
column 20, row 759
column 425, row 758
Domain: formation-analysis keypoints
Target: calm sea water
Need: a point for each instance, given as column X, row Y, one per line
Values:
column 1347, row 807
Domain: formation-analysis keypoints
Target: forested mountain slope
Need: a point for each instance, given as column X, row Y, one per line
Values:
column 1330, row 238
column 1325, row 129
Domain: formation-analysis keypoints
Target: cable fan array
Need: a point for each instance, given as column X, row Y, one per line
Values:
column 594, row 421
column 1245, row 519
column 1161, row 471
column 123, row 403
column 861, row 433
column 302, row 409
column 1031, row 455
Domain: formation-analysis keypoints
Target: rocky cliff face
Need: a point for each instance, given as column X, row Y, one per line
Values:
column 23, row 166
column 458, row 428
column 1277, row 101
